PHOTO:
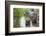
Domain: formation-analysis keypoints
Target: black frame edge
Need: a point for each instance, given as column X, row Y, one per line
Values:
column 6, row 20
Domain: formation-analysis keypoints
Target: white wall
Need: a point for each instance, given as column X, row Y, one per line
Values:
column 2, row 17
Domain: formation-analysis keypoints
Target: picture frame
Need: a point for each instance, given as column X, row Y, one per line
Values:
column 11, row 15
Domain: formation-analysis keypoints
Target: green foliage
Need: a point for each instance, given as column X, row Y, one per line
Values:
column 16, row 24
column 19, row 12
